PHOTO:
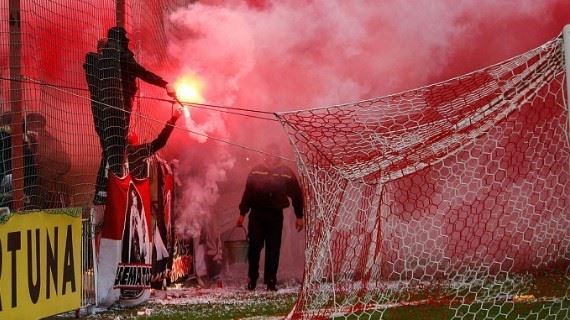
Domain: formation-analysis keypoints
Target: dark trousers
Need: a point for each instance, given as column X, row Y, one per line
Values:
column 111, row 125
column 265, row 227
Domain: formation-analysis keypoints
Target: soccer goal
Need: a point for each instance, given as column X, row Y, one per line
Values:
column 454, row 195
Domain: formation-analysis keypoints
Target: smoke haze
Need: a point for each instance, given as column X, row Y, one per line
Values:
column 270, row 56
column 296, row 54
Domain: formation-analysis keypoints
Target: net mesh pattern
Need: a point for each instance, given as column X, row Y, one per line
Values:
column 58, row 152
column 455, row 194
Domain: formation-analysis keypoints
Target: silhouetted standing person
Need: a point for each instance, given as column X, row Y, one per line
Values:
column 267, row 191
column 112, row 97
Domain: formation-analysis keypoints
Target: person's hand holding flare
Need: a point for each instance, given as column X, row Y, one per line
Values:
column 171, row 91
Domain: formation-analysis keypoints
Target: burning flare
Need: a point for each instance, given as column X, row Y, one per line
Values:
column 189, row 89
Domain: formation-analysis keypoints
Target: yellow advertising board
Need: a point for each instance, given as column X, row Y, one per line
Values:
column 40, row 263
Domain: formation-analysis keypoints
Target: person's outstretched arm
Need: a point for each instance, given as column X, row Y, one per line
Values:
column 133, row 67
column 163, row 136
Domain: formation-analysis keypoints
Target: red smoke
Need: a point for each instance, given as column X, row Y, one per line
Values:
column 271, row 55
column 296, row 54
column 292, row 54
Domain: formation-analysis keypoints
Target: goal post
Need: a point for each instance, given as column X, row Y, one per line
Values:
column 566, row 39
column 455, row 194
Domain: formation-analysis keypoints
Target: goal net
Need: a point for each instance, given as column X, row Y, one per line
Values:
column 452, row 197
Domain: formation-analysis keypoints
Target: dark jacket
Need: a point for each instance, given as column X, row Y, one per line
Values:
column 270, row 188
column 139, row 153
column 93, row 76
column 91, row 67
column 119, row 71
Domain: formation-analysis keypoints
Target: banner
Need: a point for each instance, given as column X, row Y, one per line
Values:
column 125, row 248
column 162, row 240
column 183, row 259
column 40, row 263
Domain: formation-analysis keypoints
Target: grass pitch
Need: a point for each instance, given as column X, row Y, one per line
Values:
column 550, row 292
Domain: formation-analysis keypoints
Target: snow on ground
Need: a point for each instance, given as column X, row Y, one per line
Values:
column 233, row 294
column 207, row 299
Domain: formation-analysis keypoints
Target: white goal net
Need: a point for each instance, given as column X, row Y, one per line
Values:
column 455, row 196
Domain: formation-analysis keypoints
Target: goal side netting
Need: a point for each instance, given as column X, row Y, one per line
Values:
column 455, row 194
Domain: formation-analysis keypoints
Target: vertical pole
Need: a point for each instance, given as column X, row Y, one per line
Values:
column 566, row 49
column 17, row 129
column 566, row 45
column 120, row 13
column 566, row 42
column 95, row 253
